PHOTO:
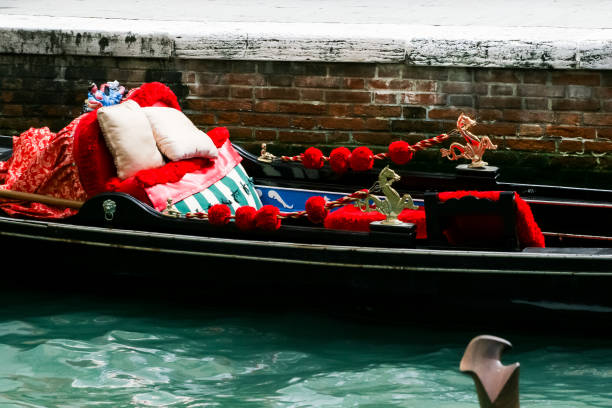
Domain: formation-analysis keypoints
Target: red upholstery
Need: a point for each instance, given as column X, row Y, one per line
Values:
column 351, row 218
column 96, row 168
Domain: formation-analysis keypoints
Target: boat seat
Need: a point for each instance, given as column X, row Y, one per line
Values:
column 472, row 221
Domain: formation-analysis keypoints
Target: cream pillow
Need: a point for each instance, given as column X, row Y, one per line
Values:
column 129, row 138
column 176, row 136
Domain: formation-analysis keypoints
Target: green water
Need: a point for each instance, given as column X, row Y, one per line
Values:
column 81, row 352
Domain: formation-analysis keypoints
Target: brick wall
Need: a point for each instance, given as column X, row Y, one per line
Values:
column 555, row 124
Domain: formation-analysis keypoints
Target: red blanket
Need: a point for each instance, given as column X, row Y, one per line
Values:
column 42, row 163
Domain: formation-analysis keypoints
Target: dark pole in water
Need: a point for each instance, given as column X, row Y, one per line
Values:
column 497, row 385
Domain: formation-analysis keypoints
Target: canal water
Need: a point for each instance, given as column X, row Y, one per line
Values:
column 67, row 351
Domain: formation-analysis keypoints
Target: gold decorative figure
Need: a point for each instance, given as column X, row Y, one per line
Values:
column 393, row 204
column 474, row 148
column 265, row 156
column 170, row 210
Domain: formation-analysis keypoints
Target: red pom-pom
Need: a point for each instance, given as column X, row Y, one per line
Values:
column 339, row 159
column 219, row 214
column 245, row 218
column 316, row 210
column 312, row 158
column 361, row 159
column 267, row 218
column 400, row 152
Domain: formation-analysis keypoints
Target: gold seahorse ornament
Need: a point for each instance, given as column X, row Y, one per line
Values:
column 393, row 204
column 475, row 147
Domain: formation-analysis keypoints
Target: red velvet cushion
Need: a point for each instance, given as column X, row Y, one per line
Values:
column 92, row 157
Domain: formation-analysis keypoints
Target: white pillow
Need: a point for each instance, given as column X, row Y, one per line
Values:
column 129, row 138
column 176, row 136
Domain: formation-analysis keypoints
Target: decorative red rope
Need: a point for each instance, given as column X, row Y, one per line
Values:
column 357, row 195
column 422, row 145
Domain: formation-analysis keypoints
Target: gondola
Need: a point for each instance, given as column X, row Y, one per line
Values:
column 386, row 268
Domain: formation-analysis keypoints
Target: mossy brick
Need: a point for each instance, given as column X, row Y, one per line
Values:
column 353, row 70
column 167, row 77
column 86, row 73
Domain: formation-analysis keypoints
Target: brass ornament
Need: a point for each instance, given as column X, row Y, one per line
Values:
column 393, row 204
column 475, row 147
column 265, row 156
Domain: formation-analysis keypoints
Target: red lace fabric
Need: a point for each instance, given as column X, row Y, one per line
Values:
column 42, row 163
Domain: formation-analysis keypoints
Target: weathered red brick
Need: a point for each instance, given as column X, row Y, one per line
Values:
column 377, row 110
column 536, row 103
column 227, row 118
column 530, row 144
column 265, row 134
column 304, row 122
column 598, row 119
column 389, row 70
column 373, row 138
column 503, row 90
column 218, row 105
column 244, row 79
column 412, row 98
column 302, row 108
column 603, row 92
column 318, row 82
column 377, row 124
column 216, row 91
column 342, row 123
column 354, row 83
column 461, row 100
column 280, row 80
column 436, row 73
column 535, row 77
column 528, row 116
column 352, row 70
column 530, row 130
column 339, row 109
column 499, row 102
column 489, row 114
column 421, row 126
column 604, row 133
column 11, row 110
column 568, row 118
column 414, row 112
column 209, row 78
column 338, row 136
column 449, row 113
column 571, row 146
column 576, row 78
column 598, row 146
column 266, row 106
column 571, row 131
column 576, row 104
column 240, row 133
column 457, row 87
column 265, row 120
column 301, row 137
column 385, row 98
column 497, row 75
column 495, row 129
column 202, row 119
column 241, row 92
column 312, row 95
column 277, row 93
column 347, row 96
column 537, row 90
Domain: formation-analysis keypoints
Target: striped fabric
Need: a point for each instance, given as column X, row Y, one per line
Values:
column 235, row 189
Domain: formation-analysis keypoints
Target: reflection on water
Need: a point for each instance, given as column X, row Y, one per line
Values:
column 77, row 352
